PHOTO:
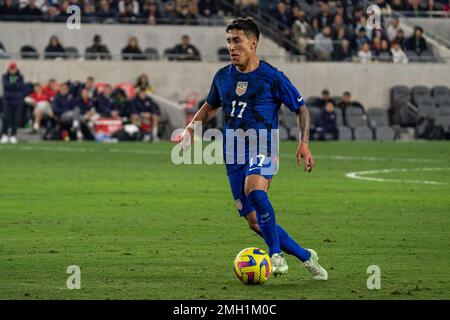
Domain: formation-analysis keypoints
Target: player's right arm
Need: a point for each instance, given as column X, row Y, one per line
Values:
column 203, row 115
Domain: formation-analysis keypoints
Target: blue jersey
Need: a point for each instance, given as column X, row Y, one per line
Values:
column 251, row 101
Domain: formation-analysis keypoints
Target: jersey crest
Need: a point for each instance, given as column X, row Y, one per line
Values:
column 241, row 88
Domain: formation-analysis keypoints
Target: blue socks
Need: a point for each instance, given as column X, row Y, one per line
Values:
column 276, row 237
column 266, row 219
column 289, row 246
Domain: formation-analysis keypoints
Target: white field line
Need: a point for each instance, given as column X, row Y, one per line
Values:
column 361, row 175
column 142, row 151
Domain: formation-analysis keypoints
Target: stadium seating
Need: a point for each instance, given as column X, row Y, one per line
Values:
column 339, row 117
column 28, row 52
column 72, row 52
column 442, row 118
column 354, row 117
column 345, row 133
column 151, row 53
column 419, row 92
column 363, row 133
column 385, row 133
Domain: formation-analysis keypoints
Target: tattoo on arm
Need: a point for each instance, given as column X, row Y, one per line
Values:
column 303, row 124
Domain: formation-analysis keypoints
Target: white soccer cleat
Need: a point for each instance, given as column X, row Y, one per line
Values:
column 13, row 140
column 4, row 139
column 279, row 265
column 313, row 266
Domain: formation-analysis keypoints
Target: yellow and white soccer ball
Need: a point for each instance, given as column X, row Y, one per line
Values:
column 252, row 266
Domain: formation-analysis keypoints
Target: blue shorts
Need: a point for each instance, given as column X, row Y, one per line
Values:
column 237, row 182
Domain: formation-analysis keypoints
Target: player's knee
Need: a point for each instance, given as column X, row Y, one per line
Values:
column 250, row 189
column 254, row 226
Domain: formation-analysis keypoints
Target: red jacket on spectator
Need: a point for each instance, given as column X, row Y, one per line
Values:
column 39, row 97
column 48, row 92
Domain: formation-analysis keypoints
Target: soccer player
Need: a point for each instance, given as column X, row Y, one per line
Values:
column 250, row 93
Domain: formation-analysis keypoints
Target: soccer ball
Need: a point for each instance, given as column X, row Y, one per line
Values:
column 252, row 266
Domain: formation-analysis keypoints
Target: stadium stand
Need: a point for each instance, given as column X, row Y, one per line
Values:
column 290, row 28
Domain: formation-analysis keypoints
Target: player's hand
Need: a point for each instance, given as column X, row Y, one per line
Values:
column 303, row 152
column 186, row 139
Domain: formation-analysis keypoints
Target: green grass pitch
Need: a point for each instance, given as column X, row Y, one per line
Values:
column 142, row 228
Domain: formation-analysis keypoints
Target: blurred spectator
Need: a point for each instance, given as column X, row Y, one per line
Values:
column 186, row 12
column 31, row 12
column 400, row 39
column 343, row 52
column 362, row 24
column 327, row 123
column 8, row 10
column 152, row 13
column 207, row 8
column 345, row 103
column 246, row 7
column 105, row 13
column 397, row 5
column 97, row 50
column 62, row 11
column 123, row 4
column 54, row 49
column 40, row 102
column 186, row 51
column 52, row 14
column 105, row 101
column 384, row 53
column 364, row 54
column 302, row 32
column 129, row 14
column 13, row 87
column 143, row 84
column 325, row 98
column 398, row 55
column 359, row 39
column 51, row 89
column 417, row 42
column 342, row 34
column 284, row 19
column 145, row 115
column 339, row 25
column 325, row 17
column 323, row 45
column 90, row 86
column 89, row 14
column 394, row 26
column 383, row 6
column 85, row 110
column 315, row 25
column 65, row 113
column 122, row 104
column 132, row 50
column 169, row 14
column 414, row 7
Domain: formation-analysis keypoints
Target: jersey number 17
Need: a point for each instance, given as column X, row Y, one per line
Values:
column 240, row 104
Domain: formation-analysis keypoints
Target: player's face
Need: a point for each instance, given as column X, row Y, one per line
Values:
column 240, row 47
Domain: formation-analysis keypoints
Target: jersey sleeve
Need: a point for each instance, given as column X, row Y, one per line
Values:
column 288, row 94
column 213, row 98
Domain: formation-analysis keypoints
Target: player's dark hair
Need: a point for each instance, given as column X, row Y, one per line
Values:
column 248, row 25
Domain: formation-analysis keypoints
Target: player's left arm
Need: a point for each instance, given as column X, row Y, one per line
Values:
column 291, row 97
column 303, row 122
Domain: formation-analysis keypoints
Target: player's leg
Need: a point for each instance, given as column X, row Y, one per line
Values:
column 307, row 256
column 256, row 192
column 287, row 244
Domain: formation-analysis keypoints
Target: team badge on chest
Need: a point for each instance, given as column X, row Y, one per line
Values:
column 241, row 88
